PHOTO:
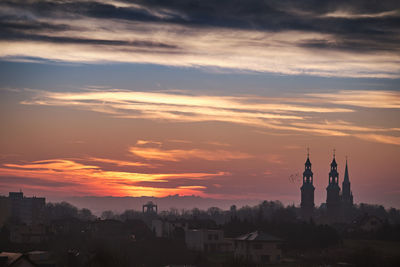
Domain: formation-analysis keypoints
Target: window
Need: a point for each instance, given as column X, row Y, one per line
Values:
column 215, row 237
column 210, row 237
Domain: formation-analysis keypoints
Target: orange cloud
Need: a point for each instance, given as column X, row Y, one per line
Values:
column 90, row 179
column 180, row 154
column 119, row 162
column 56, row 164
column 192, row 187
column 387, row 139
column 147, row 142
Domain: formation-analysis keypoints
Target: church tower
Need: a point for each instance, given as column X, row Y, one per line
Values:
column 347, row 195
column 307, row 191
column 333, row 191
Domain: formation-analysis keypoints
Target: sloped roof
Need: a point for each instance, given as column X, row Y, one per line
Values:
column 259, row 236
column 13, row 258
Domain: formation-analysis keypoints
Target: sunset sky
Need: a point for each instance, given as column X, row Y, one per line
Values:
column 218, row 99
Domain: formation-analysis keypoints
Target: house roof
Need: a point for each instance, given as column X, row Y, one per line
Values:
column 12, row 258
column 365, row 218
column 259, row 236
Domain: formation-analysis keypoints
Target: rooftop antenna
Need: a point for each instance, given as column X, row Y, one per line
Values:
column 308, row 152
column 334, row 153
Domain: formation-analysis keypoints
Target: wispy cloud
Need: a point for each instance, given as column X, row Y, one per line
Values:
column 214, row 143
column 353, row 15
column 274, row 158
column 360, row 98
column 392, row 140
column 304, row 114
column 147, row 142
column 118, row 162
column 343, row 126
column 192, row 187
column 182, row 154
column 181, row 107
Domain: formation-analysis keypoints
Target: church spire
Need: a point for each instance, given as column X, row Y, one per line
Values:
column 308, row 162
column 347, row 196
column 346, row 173
column 333, row 190
column 334, row 164
column 307, row 190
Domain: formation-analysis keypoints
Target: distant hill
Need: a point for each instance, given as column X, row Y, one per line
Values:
column 119, row 204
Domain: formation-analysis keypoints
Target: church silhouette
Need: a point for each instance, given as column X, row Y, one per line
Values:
column 337, row 202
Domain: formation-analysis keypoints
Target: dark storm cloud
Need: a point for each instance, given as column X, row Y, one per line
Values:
column 74, row 9
column 9, row 24
column 12, row 35
column 28, row 29
column 268, row 15
column 282, row 14
column 162, row 26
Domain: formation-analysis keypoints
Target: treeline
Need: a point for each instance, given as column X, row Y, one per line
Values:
column 273, row 211
column 64, row 210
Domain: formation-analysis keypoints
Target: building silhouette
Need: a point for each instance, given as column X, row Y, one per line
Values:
column 150, row 208
column 339, row 203
column 333, row 200
column 20, row 209
column 307, row 191
column 347, row 195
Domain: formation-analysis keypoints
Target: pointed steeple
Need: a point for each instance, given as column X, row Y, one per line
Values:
column 347, row 196
column 334, row 164
column 346, row 174
column 307, row 174
column 308, row 162
column 333, row 174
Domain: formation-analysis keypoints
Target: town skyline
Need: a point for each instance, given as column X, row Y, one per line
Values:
column 306, row 202
column 342, row 198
